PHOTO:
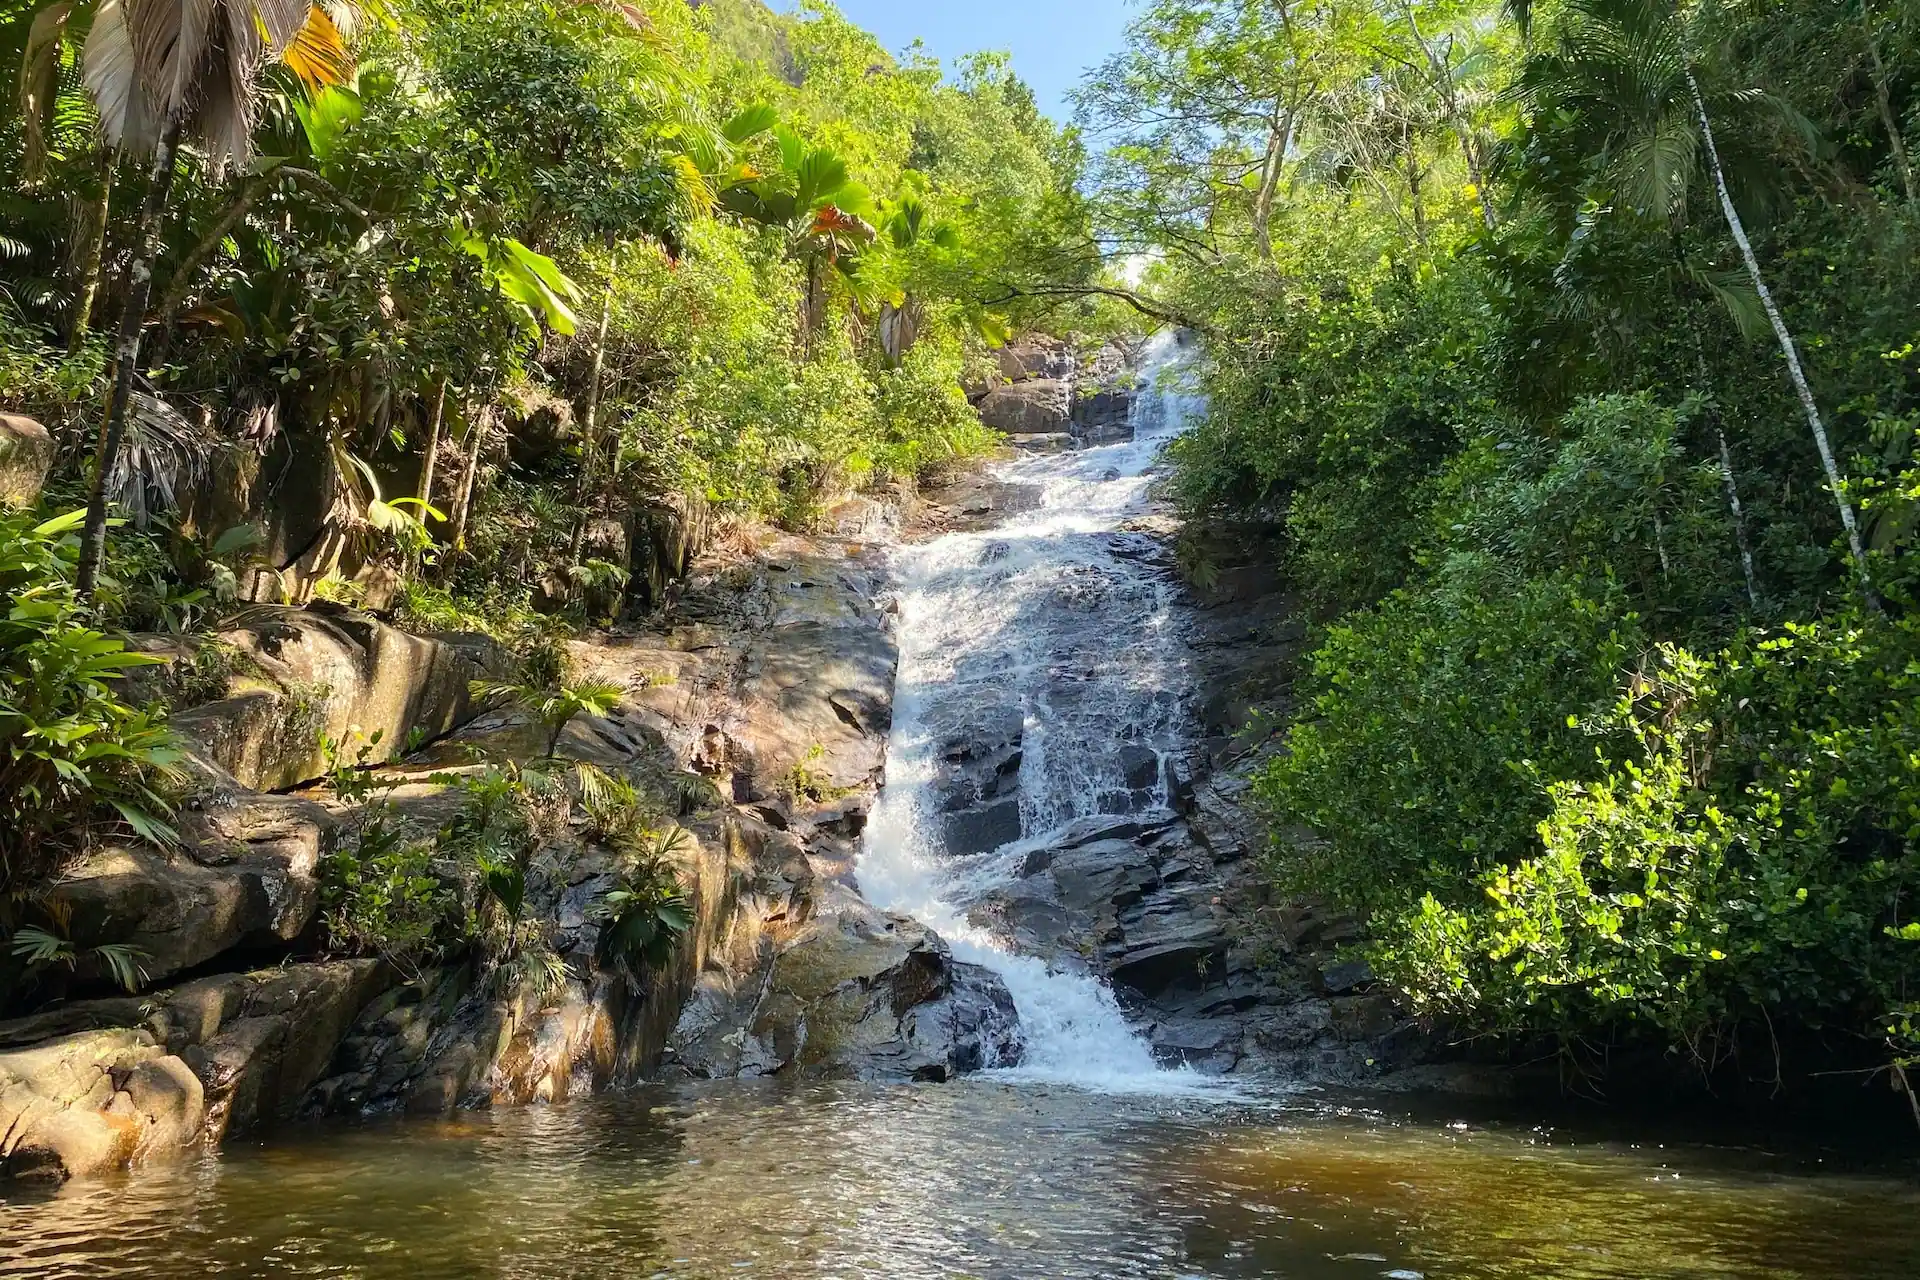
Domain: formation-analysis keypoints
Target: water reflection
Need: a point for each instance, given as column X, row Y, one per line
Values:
column 979, row 1179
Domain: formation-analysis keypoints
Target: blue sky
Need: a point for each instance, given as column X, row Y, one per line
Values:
column 1052, row 41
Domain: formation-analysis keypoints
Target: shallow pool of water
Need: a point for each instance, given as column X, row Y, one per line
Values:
column 981, row 1179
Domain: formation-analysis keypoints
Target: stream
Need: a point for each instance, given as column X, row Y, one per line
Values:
column 1085, row 1158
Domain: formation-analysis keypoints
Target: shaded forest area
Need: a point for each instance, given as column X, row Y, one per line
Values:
column 1573, row 346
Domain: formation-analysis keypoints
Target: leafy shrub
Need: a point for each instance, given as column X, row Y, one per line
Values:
column 74, row 758
column 380, row 896
column 644, row 915
column 1751, row 853
column 554, row 708
column 1439, row 716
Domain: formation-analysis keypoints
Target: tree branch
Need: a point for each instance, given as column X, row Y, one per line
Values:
column 1149, row 307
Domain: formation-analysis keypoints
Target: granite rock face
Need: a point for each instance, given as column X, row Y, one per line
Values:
column 93, row 1102
column 1055, row 392
column 106, row 1084
column 1043, row 406
column 246, row 875
column 304, row 675
column 814, row 981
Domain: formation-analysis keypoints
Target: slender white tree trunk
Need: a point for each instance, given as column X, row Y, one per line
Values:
column 1279, row 138
column 589, row 421
column 1884, row 102
column 1787, row 348
column 1739, row 518
column 431, row 462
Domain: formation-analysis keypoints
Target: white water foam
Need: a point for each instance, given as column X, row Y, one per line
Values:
column 1048, row 609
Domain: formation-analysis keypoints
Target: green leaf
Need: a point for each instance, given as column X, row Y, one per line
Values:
column 750, row 122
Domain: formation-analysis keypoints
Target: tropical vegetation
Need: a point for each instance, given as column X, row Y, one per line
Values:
column 1572, row 344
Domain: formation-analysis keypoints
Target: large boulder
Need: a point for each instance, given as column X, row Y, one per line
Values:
column 813, row 698
column 127, row 1080
column 853, row 993
column 1040, row 407
column 258, row 1041
column 306, row 675
column 94, row 1102
column 26, row 455
column 1105, row 415
column 449, row 1040
column 1035, row 356
column 248, row 873
column 663, row 537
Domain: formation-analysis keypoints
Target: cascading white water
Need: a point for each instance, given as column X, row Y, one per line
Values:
column 1050, row 611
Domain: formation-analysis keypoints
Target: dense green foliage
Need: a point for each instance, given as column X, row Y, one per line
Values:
column 1611, row 732
column 74, row 754
column 512, row 270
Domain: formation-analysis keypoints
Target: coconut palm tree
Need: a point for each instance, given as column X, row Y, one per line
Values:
column 1632, row 78
column 160, row 71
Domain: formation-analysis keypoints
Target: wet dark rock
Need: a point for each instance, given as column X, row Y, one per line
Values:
column 851, row 993
column 1140, row 767
column 1339, row 979
column 980, row 828
column 1104, row 416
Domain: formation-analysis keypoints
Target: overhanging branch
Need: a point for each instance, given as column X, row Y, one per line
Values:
column 1152, row 308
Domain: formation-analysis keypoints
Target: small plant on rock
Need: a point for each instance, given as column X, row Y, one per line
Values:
column 806, row 782
column 555, row 708
column 645, row 914
column 380, row 896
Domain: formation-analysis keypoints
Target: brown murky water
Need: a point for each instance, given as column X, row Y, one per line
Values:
column 979, row 1179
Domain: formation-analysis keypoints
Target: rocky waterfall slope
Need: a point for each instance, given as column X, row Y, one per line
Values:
column 762, row 694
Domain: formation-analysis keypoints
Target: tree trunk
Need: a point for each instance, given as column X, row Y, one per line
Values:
column 93, row 241
column 589, row 419
column 1787, row 347
column 432, row 459
column 1885, row 103
column 463, row 497
column 1279, row 139
column 93, row 539
column 1739, row 517
column 1413, row 184
column 1450, row 102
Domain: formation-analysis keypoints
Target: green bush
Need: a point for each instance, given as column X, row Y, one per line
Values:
column 1440, row 714
column 1752, row 855
column 380, row 895
column 644, row 915
column 74, row 758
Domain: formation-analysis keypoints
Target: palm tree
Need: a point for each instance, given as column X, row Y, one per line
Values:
column 1628, row 74
column 159, row 72
column 827, row 215
column 907, row 225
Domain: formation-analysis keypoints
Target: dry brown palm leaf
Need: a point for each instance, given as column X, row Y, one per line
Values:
column 39, row 82
column 197, row 62
column 318, row 54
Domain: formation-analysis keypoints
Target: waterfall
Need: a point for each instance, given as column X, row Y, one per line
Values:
column 1049, row 619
